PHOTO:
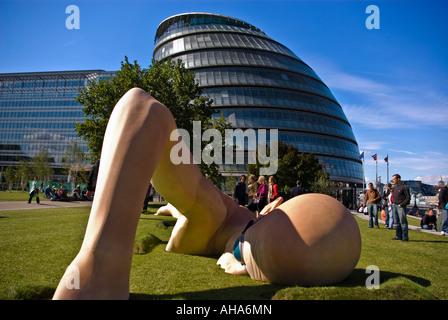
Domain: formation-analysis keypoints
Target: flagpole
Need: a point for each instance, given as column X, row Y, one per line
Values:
column 375, row 157
column 387, row 168
column 376, row 183
column 363, row 177
column 363, row 174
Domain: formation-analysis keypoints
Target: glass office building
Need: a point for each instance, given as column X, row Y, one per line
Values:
column 38, row 111
column 257, row 83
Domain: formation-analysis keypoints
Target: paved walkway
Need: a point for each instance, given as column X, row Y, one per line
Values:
column 366, row 217
column 23, row 205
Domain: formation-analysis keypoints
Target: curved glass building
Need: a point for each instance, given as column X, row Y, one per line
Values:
column 257, row 83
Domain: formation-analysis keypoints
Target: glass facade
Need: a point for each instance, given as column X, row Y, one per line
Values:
column 38, row 111
column 258, row 83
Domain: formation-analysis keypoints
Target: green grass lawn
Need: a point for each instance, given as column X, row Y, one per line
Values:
column 16, row 195
column 37, row 245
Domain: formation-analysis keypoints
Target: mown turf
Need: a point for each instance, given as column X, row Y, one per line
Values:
column 37, row 245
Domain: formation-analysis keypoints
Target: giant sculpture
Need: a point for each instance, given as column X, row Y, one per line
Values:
column 308, row 240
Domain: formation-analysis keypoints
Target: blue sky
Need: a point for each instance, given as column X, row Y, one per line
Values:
column 392, row 82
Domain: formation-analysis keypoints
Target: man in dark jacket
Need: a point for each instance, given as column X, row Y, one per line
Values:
column 297, row 190
column 429, row 221
column 91, row 182
column 401, row 198
column 239, row 193
column 443, row 200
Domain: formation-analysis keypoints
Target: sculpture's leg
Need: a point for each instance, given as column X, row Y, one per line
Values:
column 136, row 150
column 135, row 140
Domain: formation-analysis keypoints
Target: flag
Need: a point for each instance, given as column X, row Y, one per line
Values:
column 386, row 159
column 361, row 156
column 374, row 157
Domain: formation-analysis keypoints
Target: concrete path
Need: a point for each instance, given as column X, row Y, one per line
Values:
column 366, row 217
column 23, row 205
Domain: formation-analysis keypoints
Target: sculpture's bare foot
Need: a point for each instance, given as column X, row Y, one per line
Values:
column 91, row 277
column 168, row 210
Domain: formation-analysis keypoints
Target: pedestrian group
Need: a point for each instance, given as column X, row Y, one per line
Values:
column 395, row 200
column 259, row 194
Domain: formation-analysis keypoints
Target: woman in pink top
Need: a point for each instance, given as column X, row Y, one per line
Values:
column 262, row 193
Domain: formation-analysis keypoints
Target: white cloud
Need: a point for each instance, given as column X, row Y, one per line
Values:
column 432, row 180
column 344, row 81
column 386, row 102
column 404, row 151
column 393, row 114
column 424, row 165
column 362, row 114
column 421, row 162
column 371, row 145
column 401, row 110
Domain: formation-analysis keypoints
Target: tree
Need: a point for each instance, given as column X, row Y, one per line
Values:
column 321, row 183
column 74, row 161
column 167, row 81
column 41, row 166
column 24, row 172
column 293, row 166
column 10, row 176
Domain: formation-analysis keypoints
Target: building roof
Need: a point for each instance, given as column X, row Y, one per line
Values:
column 45, row 74
column 208, row 18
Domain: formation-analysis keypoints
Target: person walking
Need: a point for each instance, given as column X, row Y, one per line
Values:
column 273, row 189
column 91, row 181
column 400, row 200
column 443, row 200
column 372, row 198
column 148, row 197
column 34, row 190
column 391, row 200
column 252, row 193
column 388, row 206
column 239, row 194
column 262, row 193
column 297, row 190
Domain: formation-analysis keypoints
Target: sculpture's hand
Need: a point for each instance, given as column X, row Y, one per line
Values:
column 271, row 206
column 229, row 263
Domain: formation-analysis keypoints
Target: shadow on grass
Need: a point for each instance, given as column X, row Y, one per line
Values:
column 358, row 278
column 263, row 292
column 147, row 215
column 147, row 243
column 356, row 281
column 28, row 292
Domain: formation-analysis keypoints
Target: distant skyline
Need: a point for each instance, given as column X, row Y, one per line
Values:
column 391, row 82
